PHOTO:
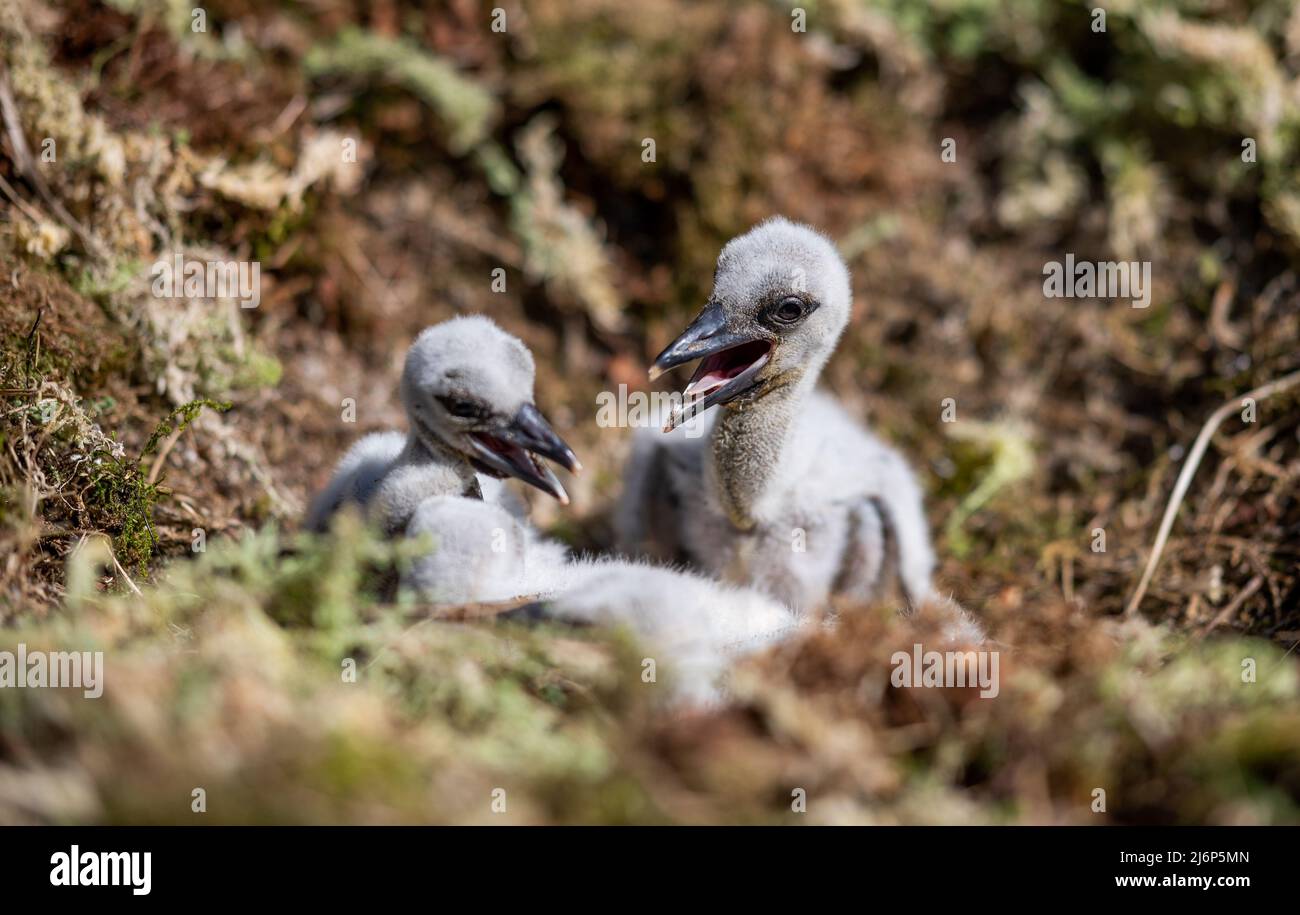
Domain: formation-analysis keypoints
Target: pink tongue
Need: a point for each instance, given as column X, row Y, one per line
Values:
column 713, row 373
column 704, row 384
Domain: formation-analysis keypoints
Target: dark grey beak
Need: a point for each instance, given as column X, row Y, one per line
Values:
column 508, row 450
column 729, row 366
column 529, row 429
column 706, row 335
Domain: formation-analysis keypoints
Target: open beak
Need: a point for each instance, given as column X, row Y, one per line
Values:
column 511, row 449
column 730, row 363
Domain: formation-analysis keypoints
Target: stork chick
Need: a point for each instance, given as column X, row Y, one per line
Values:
column 467, row 389
column 786, row 491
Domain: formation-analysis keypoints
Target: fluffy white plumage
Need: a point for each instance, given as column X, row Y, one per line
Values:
column 479, row 551
column 784, row 491
column 694, row 627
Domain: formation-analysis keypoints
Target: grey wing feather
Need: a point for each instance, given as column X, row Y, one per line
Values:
column 903, row 513
column 355, row 477
column 647, row 517
column 866, row 551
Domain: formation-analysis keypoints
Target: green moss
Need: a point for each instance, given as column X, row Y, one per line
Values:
column 122, row 497
column 179, row 420
column 466, row 108
column 100, row 284
column 257, row 370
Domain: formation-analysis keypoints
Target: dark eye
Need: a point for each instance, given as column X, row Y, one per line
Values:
column 464, row 409
column 789, row 310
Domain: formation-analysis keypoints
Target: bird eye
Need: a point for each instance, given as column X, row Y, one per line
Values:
column 464, row 409
column 789, row 311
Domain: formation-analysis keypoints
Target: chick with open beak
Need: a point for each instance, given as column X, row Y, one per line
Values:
column 467, row 388
column 786, row 491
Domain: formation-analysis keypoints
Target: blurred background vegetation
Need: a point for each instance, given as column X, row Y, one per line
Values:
column 381, row 159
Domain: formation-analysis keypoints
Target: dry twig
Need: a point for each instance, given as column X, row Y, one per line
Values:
column 1184, row 481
